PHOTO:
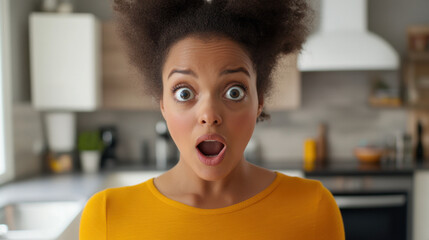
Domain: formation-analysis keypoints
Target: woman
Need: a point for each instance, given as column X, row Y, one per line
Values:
column 209, row 64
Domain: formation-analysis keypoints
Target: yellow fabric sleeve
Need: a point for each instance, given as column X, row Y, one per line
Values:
column 93, row 219
column 330, row 223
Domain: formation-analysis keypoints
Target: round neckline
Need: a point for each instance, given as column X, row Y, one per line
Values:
column 235, row 207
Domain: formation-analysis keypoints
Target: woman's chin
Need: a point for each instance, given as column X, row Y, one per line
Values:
column 211, row 173
column 214, row 173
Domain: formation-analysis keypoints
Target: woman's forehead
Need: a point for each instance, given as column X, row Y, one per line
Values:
column 214, row 52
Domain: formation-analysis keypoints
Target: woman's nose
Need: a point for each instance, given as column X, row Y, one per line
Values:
column 210, row 114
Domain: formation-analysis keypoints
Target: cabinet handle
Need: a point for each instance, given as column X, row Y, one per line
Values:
column 370, row 201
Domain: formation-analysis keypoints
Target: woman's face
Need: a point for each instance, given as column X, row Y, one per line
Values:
column 209, row 88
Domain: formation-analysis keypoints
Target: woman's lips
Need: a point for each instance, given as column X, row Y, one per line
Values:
column 211, row 160
column 212, row 136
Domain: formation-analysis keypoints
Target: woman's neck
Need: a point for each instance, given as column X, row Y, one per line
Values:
column 182, row 184
column 189, row 182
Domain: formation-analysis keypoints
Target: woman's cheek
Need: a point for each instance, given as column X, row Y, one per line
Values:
column 242, row 124
column 179, row 125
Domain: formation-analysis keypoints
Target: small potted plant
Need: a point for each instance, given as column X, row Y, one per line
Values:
column 90, row 146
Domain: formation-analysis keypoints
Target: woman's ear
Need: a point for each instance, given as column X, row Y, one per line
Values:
column 260, row 106
column 161, row 106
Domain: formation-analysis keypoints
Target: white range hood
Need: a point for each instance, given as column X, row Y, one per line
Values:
column 344, row 43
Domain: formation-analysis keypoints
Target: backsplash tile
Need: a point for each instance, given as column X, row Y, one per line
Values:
column 340, row 100
column 134, row 128
column 28, row 141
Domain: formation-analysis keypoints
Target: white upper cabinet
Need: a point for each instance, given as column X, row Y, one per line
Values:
column 65, row 55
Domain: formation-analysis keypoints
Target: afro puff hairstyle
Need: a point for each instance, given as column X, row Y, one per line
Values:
column 264, row 28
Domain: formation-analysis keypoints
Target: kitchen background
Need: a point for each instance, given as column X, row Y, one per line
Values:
column 345, row 101
column 338, row 98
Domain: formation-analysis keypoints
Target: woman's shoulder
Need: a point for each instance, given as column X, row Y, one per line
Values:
column 107, row 201
column 123, row 192
column 290, row 179
column 299, row 185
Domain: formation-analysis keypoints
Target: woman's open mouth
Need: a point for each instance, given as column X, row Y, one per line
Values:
column 211, row 149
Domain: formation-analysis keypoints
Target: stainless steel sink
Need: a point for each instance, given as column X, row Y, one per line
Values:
column 37, row 220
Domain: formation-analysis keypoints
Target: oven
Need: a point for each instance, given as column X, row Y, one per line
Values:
column 373, row 206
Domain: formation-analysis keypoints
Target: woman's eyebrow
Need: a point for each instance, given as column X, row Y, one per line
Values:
column 227, row 71
column 185, row 71
column 240, row 69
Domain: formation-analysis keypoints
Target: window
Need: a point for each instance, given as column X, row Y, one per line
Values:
column 2, row 113
column 6, row 158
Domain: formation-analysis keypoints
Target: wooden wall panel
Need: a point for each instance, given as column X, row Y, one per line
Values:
column 122, row 85
column 286, row 92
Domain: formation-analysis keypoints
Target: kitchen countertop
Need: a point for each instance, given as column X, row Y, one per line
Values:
column 351, row 167
column 358, row 169
column 68, row 186
column 77, row 186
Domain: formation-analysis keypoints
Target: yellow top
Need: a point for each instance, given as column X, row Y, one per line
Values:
column 289, row 208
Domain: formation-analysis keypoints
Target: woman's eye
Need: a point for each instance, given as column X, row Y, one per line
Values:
column 184, row 94
column 235, row 93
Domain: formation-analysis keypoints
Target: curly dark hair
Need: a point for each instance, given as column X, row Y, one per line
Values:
column 264, row 28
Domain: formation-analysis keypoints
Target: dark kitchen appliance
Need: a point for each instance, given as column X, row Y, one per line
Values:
column 165, row 149
column 373, row 206
column 109, row 136
column 420, row 153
